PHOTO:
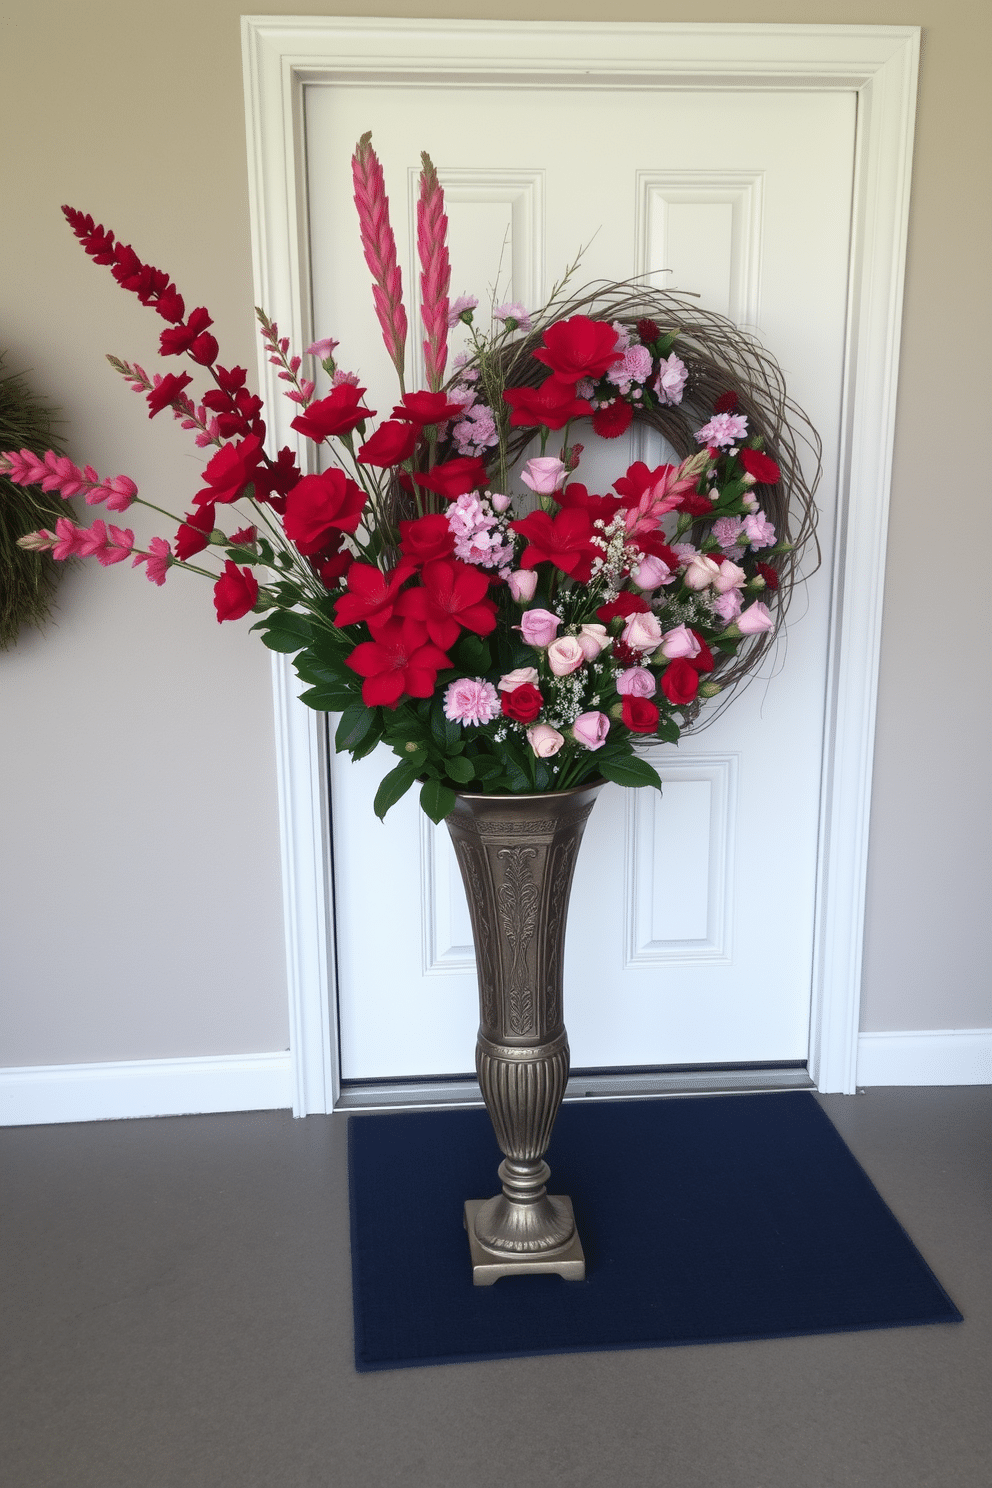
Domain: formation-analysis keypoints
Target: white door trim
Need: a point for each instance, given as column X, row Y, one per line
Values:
column 879, row 63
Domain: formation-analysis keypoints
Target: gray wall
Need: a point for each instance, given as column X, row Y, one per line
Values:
column 140, row 911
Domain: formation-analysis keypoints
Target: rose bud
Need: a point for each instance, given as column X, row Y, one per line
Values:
column 544, row 740
column 590, row 730
column 523, row 585
column 538, row 628
column 565, row 655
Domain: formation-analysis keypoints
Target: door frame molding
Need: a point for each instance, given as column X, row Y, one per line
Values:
column 281, row 55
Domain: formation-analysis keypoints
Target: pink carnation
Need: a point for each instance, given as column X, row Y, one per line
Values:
column 471, row 700
column 723, row 430
column 671, row 380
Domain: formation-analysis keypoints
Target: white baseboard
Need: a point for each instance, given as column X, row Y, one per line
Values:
column 36, row 1095
column 942, row 1056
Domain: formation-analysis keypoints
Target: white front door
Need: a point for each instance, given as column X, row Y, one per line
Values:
column 691, row 928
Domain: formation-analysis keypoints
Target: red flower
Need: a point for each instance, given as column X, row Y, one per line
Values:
column 578, row 347
column 727, row 402
column 599, row 508
column 204, row 350
column 612, row 419
column 696, row 506
column 193, row 536
column 626, row 603
column 180, row 338
column 167, row 392
column 230, row 470
column 453, row 598
column 680, row 681
column 640, row 714
column 320, row 505
column 522, row 703
column 399, row 660
column 454, row 477
column 637, row 480
column 553, row 404
column 768, row 574
column 235, row 592
column 426, row 408
column 331, row 569
column 338, row 413
column 279, row 477
column 648, row 331
column 371, row 594
column 244, row 537
column 562, row 540
column 703, row 660
column 761, row 466
column 427, row 537
column 390, row 444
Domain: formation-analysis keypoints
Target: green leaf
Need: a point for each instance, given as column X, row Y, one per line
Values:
column 446, row 733
column 356, row 722
column 284, row 631
column 631, row 771
column 668, row 730
column 370, row 742
column 437, row 800
column 486, row 767
column 329, row 699
column 392, row 787
column 473, row 655
column 460, row 769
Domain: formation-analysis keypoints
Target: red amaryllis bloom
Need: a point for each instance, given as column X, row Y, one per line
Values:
column 167, row 391
column 338, row 413
column 552, row 405
column 680, row 681
column 320, row 505
column 390, row 444
column 578, row 347
column 522, row 703
column 727, row 402
column 426, row 538
column 640, row 714
column 452, row 599
column 454, row 477
column 626, row 603
column 768, row 574
column 371, row 594
column 235, row 592
column 612, row 419
column 599, row 508
column 761, row 466
column 180, row 338
column 232, row 468
column 637, row 480
column 427, row 408
column 563, row 540
column 398, row 661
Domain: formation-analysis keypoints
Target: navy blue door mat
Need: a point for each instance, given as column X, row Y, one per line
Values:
column 704, row 1220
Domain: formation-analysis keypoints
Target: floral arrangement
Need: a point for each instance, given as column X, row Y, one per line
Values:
column 494, row 644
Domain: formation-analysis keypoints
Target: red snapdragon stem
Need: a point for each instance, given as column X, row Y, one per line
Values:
column 380, row 249
column 435, row 272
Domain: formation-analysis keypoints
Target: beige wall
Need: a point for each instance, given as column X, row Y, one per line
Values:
column 140, row 906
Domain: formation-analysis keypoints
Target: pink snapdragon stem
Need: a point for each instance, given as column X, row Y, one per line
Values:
column 435, row 272
column 380, row 249
column 54, row 472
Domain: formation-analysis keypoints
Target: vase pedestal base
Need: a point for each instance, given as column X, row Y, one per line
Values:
column 489, row 1266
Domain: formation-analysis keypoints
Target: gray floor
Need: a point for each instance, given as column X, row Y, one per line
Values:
column 177, row 1315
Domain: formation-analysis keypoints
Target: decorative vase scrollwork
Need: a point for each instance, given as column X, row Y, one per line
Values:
column 517, row 857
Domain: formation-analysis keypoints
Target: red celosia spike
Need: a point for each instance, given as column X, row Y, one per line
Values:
column 435, row 276
column 379, row 247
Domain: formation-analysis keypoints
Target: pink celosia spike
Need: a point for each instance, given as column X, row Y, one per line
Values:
column 379, row 246
column 57, row 473
column 435, row 272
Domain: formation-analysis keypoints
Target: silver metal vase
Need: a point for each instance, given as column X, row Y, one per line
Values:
column 517, row 856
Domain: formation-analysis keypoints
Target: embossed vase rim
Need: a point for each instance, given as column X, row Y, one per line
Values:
column 532, row 795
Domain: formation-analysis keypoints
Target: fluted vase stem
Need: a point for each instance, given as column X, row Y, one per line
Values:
column 517, row 857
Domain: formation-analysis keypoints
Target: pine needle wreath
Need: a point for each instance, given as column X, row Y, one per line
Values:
column 27, row 579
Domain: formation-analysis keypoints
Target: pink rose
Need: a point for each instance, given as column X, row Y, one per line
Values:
column 642, row 632
column 730, row 577
column 538, row 628
column 544, row 474
column 519, row 677
column 593, row 639
column 679, row 642
column 565, row 655
column 636, row 682
column 755, row 619
column 523, row 585
column 651, row 573
column 500, row 503
column 591, row 729
column 702, row 572
column 544, row 740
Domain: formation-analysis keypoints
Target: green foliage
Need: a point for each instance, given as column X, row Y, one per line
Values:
column 27, row 580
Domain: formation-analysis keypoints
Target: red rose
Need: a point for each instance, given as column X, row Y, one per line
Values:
column 390, row 444
column 426, row 538
column 552, row 405
column 680, row 681
column 454, row 477
column 522, row 703
column 768, row 574
column 613, row 419
column 190, row 540
column 640, row 714
column 761, row 466
column 578, row 347
column 232, row 468
column 235, row 592
column 320, row 505
column 338, row 413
